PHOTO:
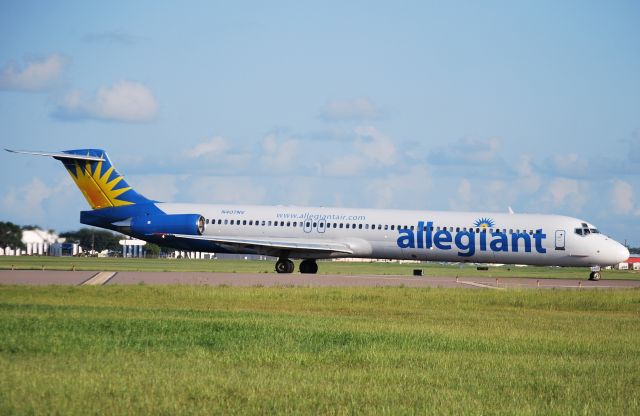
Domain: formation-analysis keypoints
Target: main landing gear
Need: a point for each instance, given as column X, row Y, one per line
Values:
column 284, row 265
column 309, row 266
column 595, row 276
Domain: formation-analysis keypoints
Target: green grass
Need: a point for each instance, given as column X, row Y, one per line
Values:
column 224, row 350
column 325, row 267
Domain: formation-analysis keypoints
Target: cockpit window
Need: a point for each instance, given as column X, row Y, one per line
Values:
column 585, row 230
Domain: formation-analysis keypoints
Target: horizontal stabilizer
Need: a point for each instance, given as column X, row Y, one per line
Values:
column 59, row 155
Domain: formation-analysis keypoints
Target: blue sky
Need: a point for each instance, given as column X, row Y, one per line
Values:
column 418, row 105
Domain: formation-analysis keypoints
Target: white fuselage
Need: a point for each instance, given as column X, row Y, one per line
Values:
column 477, row 237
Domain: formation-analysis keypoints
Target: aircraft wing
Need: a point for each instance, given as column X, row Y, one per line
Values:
column 270, row 245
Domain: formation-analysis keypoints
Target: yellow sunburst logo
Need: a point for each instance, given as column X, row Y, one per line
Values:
column 484, row 223
column 96, row 187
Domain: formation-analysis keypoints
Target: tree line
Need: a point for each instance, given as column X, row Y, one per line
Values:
column 87, row 238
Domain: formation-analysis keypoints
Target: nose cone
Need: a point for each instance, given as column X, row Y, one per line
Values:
column 623, row 253
column 615, row 253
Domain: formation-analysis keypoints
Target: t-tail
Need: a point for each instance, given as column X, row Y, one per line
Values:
column 95, row 176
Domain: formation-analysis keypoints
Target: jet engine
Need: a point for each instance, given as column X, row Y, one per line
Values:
column 190, row 224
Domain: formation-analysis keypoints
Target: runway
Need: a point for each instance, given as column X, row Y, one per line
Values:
column 77, row 278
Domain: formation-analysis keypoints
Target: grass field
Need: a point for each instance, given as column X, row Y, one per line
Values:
column 325, row 267
column 224, row 350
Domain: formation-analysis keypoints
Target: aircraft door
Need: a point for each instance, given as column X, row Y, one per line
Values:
column 560, row 239
column 322, row 225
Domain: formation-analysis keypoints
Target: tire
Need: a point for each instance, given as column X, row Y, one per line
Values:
column 309, row 267
column 284, row 266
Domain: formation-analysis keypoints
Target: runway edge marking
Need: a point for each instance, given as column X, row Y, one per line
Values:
column 99, row 279
column 479, row 285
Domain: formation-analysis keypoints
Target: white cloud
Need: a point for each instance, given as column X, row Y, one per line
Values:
column 157, row 187
column 467, row 150
column 28, row 197
column 278, row 154
column 528, row 180
column 226, row 190
column 375, row 145
column 125, row 101
column 568, row 193
column 622, row 197
column 405, row 190
column 347, row 165
column 351, row 109
column 570, row 165
column 215, row 146
column 36, row 75
column 28, row 202
column 462, row 200
column 561, row 188
column 464, row 190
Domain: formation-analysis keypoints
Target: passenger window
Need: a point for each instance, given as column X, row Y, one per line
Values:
column 393, row 227
column 269, row 223
column 308, row 224
column 386, row 226
column 379, row 226
column 244, row 222
column 366, row 227
column 360, row 226
column 226, row 222
column 288, row 223
column 341, row 225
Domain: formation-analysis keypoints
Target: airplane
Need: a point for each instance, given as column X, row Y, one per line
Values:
column 313, row 233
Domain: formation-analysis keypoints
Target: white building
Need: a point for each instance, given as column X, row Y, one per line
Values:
column 37, row 243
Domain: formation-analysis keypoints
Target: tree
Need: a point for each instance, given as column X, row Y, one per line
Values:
column 634, row 250
column 98, row 240
column 30, row 227
column 153, row 250
column 10, row 235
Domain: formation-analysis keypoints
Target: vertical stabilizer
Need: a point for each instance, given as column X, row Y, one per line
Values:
column 93, row 173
